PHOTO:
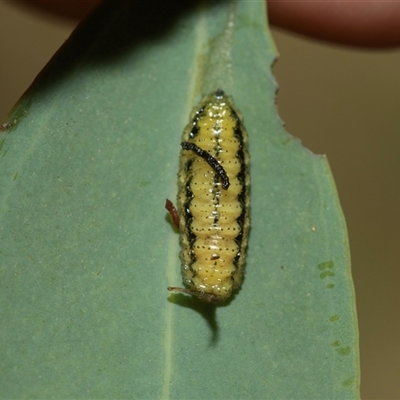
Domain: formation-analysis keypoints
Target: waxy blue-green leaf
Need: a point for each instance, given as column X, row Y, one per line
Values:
column 87, row 250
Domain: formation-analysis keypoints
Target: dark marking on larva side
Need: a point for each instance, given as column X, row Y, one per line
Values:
column 195, row 129
column 213, row 203
column 211, row 161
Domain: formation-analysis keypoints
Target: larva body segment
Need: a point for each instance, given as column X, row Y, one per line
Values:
column 213, row 209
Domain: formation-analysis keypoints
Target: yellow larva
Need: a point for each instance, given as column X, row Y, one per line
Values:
column 213, row 200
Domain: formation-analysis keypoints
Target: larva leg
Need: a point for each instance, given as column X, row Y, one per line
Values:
column 207, row 297
column 172, row 212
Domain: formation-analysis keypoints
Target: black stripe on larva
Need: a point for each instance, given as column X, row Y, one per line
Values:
column 210, row 160
column 242, row 198
column 240, row 156
column 195, row 128
column 188, row 215
column 243, row 172
column 194, row 132
column 188, row 166
column 237, row 130
column 216, row 197
column 191, row 236
column 241, row 176
column 240, row 221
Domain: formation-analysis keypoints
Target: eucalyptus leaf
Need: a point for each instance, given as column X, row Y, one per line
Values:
column 87, row 250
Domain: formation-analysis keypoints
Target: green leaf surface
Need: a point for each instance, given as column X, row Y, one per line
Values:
column 87, row 250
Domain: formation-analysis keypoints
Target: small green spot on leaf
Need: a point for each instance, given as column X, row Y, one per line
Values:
column 336, row 343
column 324, row 274
column 344, row 351
column 330, row 286
column 15, row 176
column 334, row 318
column 348, row 382
column 326, row 265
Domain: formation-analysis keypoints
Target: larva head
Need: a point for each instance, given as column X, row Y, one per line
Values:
column 219, row 94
